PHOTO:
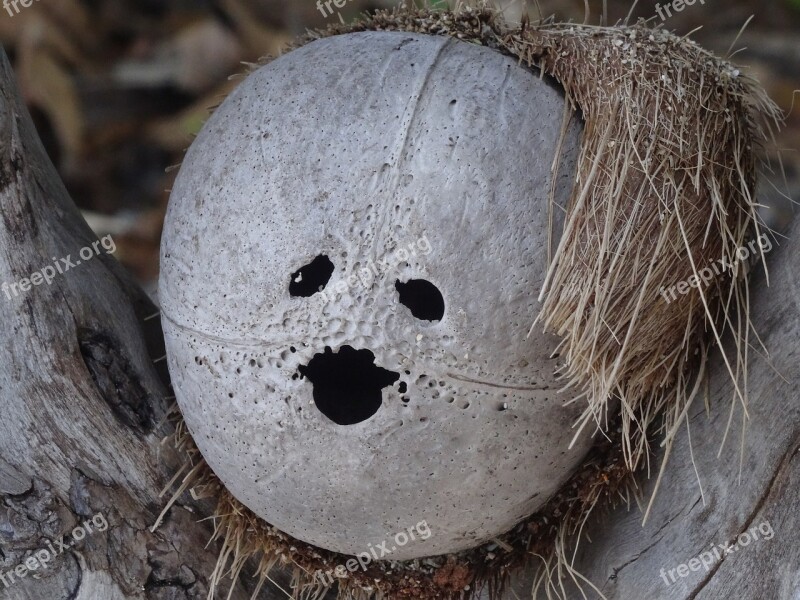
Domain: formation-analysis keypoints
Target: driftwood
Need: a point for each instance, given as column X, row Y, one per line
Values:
column 85, row 396
column 84, row 399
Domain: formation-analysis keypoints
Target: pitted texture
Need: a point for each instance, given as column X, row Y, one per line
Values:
column 396, row 157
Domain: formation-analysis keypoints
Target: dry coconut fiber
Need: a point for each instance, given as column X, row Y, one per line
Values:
column 672, row 145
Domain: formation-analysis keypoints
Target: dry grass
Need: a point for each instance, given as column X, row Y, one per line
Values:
column 664, row 187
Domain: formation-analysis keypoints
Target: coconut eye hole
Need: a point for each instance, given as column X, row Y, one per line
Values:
column 311, row 278
column 422, row 298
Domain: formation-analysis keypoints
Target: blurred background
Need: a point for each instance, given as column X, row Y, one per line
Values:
column 117, row 88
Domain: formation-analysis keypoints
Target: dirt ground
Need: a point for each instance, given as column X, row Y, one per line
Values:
column 118, row 87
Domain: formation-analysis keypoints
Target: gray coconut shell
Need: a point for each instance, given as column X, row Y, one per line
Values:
column 356, row 147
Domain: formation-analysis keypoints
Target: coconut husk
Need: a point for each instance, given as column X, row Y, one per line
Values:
column 664, row 190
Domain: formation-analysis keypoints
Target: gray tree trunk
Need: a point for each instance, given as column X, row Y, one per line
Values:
column 83, row 405
column 84, row 400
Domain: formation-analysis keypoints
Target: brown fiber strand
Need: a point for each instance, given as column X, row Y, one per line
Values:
column 664, row 188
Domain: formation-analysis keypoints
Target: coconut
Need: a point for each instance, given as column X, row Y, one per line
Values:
column 345, row 285
column 434, row 132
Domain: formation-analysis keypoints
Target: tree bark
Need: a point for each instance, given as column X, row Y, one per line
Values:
column 85, row 395
column 84, row 398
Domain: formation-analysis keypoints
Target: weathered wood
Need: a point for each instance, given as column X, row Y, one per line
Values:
column 83, row 406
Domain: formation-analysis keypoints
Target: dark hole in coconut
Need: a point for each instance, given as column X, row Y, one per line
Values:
column 347, row 384
column 422, row 298
column 311, row 278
